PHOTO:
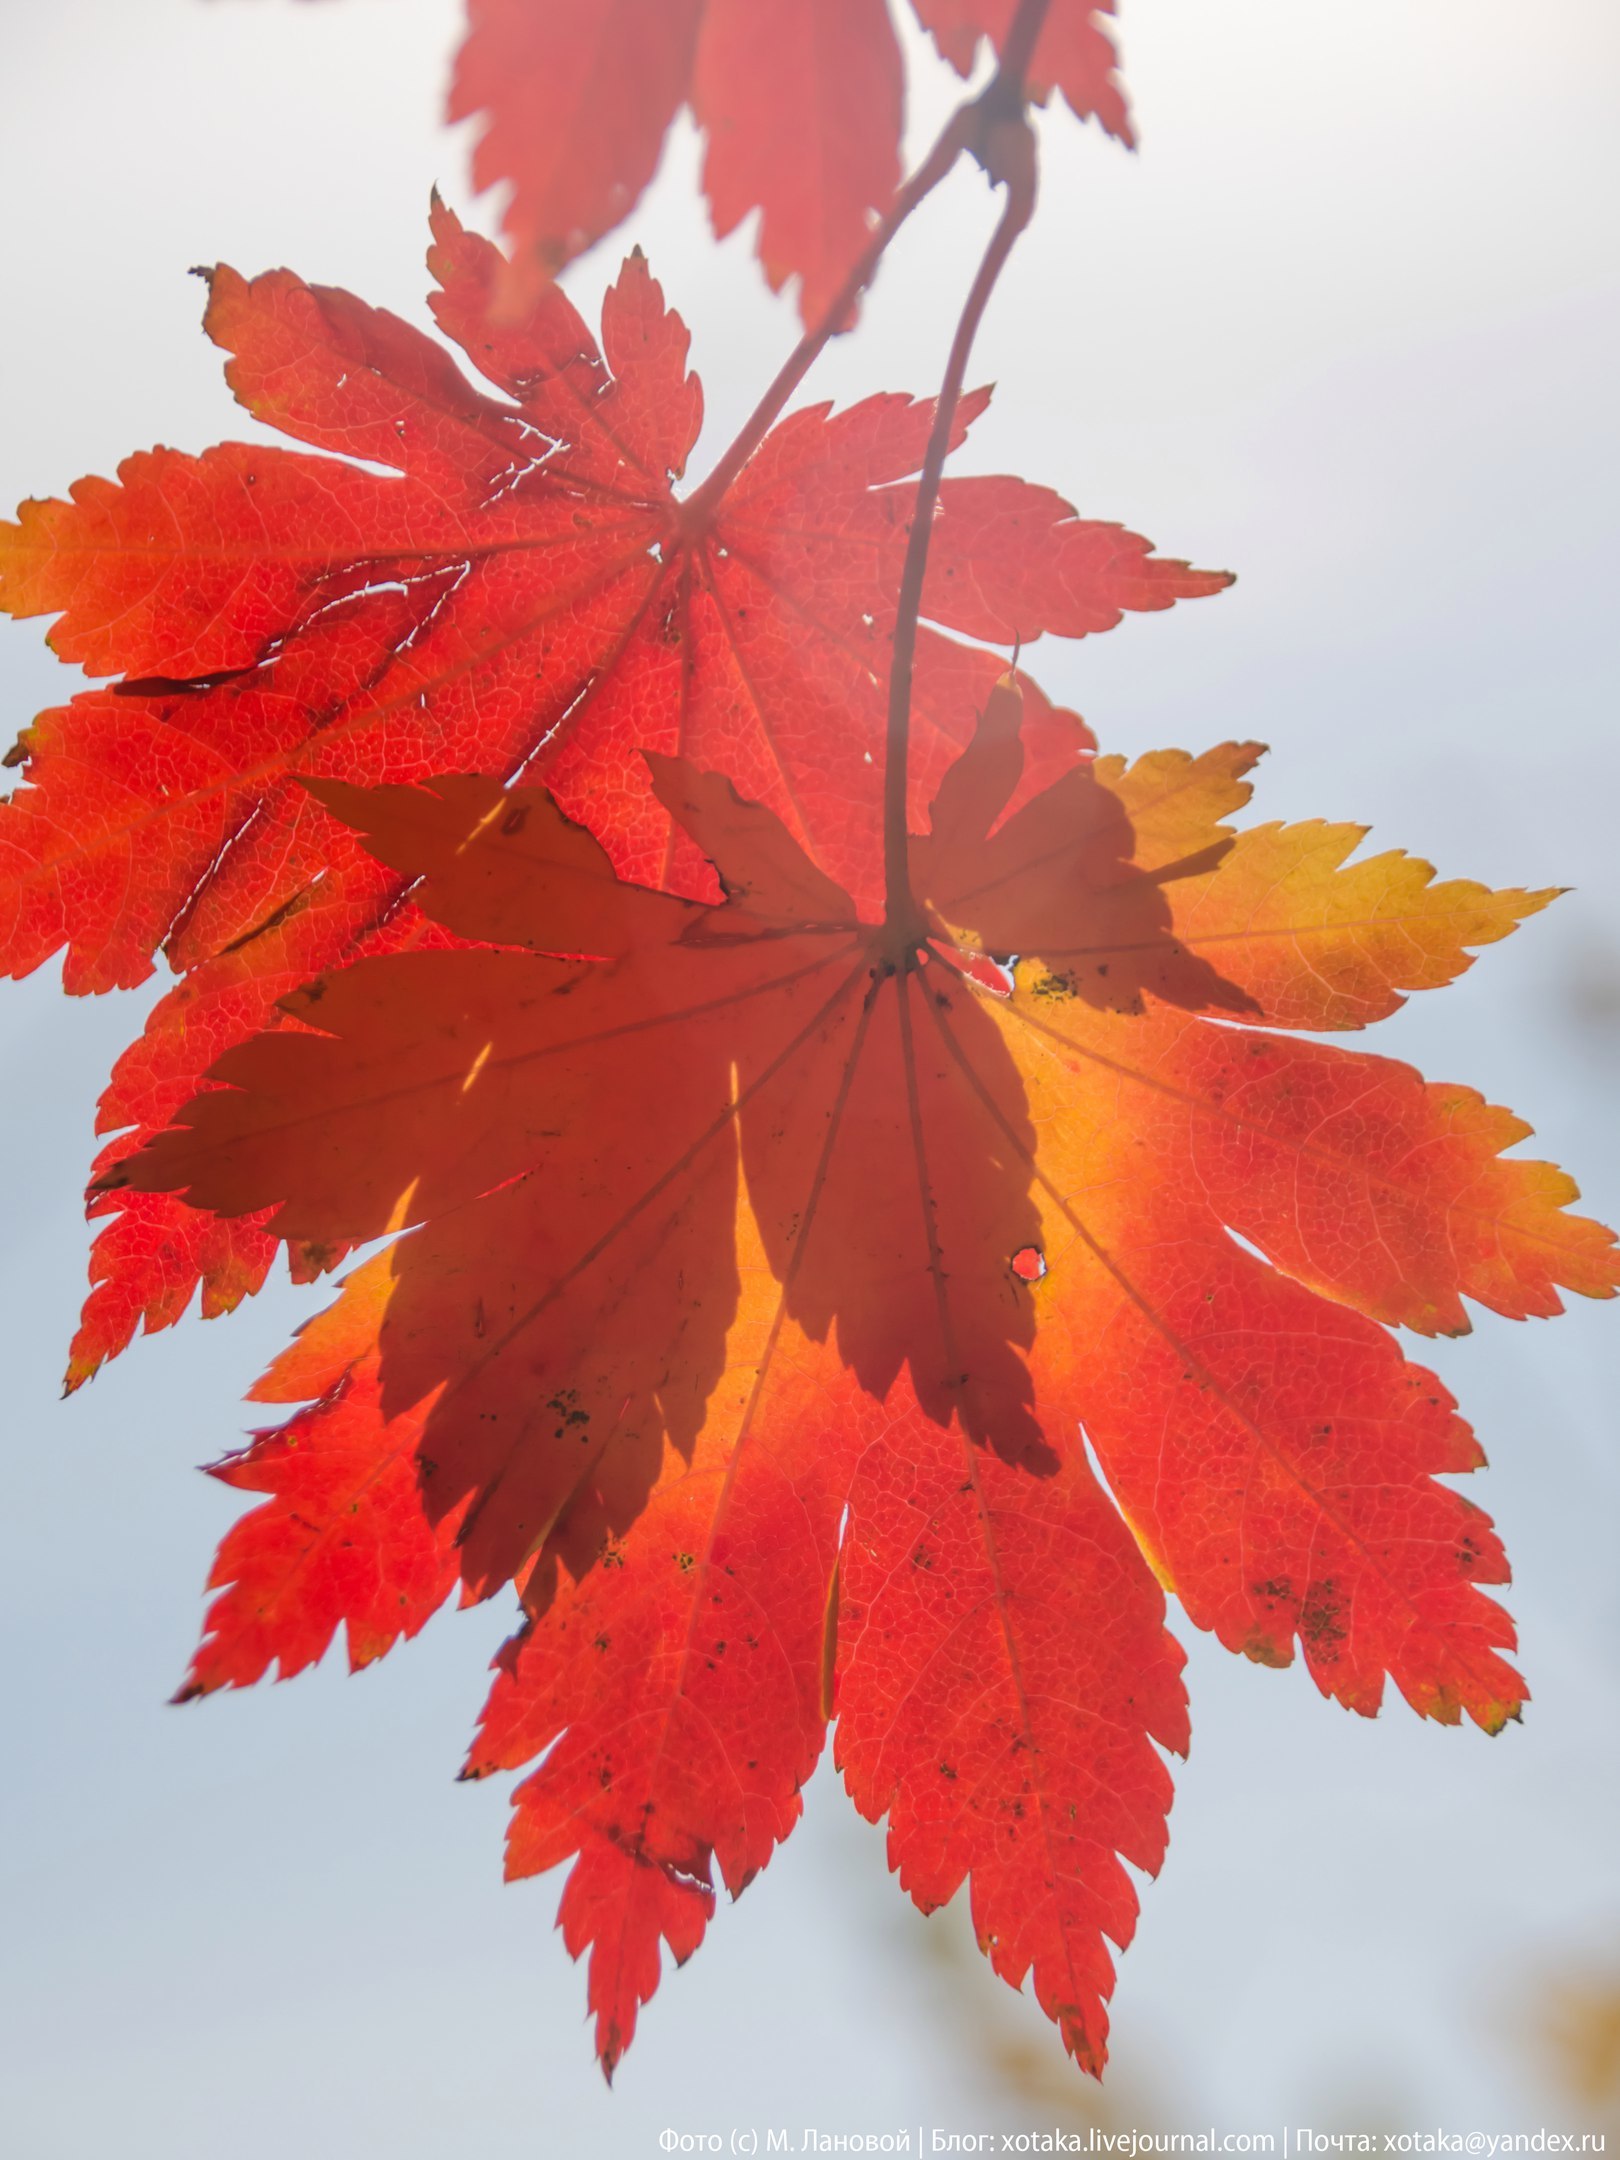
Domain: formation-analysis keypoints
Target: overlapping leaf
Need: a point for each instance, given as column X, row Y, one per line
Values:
column 505, row 582
column 799, row 101
column 760, row 1270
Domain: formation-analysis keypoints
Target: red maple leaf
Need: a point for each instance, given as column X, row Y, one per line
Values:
column 520, row 589
column 762, row 1264
column 799, row 101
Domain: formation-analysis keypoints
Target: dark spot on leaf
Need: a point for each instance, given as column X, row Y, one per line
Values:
column 1321, row 1620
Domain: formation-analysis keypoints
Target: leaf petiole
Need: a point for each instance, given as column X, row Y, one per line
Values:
column 1004, row 143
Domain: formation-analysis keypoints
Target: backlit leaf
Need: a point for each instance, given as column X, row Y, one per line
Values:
column 520, row 588
column 765, row 1284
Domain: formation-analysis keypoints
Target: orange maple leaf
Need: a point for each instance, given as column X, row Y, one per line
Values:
column 763, row 1264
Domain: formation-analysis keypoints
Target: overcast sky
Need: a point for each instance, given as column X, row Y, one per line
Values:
column 1347, row 326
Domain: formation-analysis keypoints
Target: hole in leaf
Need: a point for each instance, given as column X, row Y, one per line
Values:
column 1029, row 1263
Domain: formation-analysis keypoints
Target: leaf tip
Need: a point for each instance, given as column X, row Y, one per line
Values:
column 81, row 1370
column 1495, row 1719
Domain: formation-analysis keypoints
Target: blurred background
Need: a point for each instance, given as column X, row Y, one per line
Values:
column 1347, row 325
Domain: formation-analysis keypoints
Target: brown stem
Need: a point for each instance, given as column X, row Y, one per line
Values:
column 1017, row 166
column 995, row 127
column 1019, row 49
column 956, row 136
column 1004, row 143
column 966, row 129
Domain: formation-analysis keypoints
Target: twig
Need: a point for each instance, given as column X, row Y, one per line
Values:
column 1019, row 49
column 955, row 137
column 1004, row 143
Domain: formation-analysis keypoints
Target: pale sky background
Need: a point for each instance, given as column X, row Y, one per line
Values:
column 1346, row 325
